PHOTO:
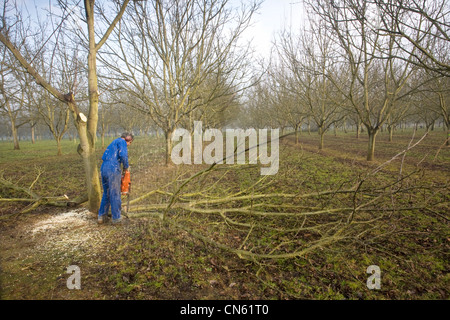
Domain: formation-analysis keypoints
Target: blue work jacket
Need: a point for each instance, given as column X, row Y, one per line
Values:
column 116, row 154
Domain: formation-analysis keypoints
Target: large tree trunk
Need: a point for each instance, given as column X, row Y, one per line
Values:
column 32, row 135
column 103, row 135
column 321, row 133
column 447, row 127
column 371, row 147
column 168, row 136
column 14, row 134
column 391, row 132
column 58, row 145
column 86, row 127
column 89, row 158
column 88, row 132
column 358, row 130
column 446, row 117
column 87, row 153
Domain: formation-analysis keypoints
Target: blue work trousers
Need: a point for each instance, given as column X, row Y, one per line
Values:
column 111, row 180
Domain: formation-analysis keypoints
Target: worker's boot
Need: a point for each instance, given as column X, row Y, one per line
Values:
column 102, row 219
column 119, row 221
column 116, row 221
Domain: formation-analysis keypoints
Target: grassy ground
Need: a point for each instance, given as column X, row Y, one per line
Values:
column 147, row 259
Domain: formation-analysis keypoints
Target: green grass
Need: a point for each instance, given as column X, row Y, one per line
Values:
column 62, row 174
column 29, row 151
column 150, row 260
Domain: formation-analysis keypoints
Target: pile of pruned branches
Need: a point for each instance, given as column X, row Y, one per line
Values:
column 256, row 224
column 11, row 192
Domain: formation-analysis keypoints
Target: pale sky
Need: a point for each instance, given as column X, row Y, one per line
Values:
column 273, row 16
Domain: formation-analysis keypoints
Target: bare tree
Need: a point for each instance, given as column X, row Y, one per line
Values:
column 294, row 109
column 167, row 51
column 13, row 103
column 256, row 111
column 435, row 98
column 377, row 78
column 63, row 69
column 442, row 91
column 310, row 60
column 86, row 125
column 285, row 105
column 56, row 116
column 423, row 24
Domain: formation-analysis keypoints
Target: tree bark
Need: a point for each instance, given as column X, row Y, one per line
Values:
column 87, row 153
column 321, row 133
column 168, row 136
column 32, row 135
column 371, row 148
column 14, row 134
column 391, row 132
column 446, row 117
column 58, row 145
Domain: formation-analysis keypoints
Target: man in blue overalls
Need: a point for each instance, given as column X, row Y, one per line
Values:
column 115, row 154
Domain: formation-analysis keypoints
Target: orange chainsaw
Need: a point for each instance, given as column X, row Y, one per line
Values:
column 125, row 188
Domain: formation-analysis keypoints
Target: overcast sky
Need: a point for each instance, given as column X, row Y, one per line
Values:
column 273, row 16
